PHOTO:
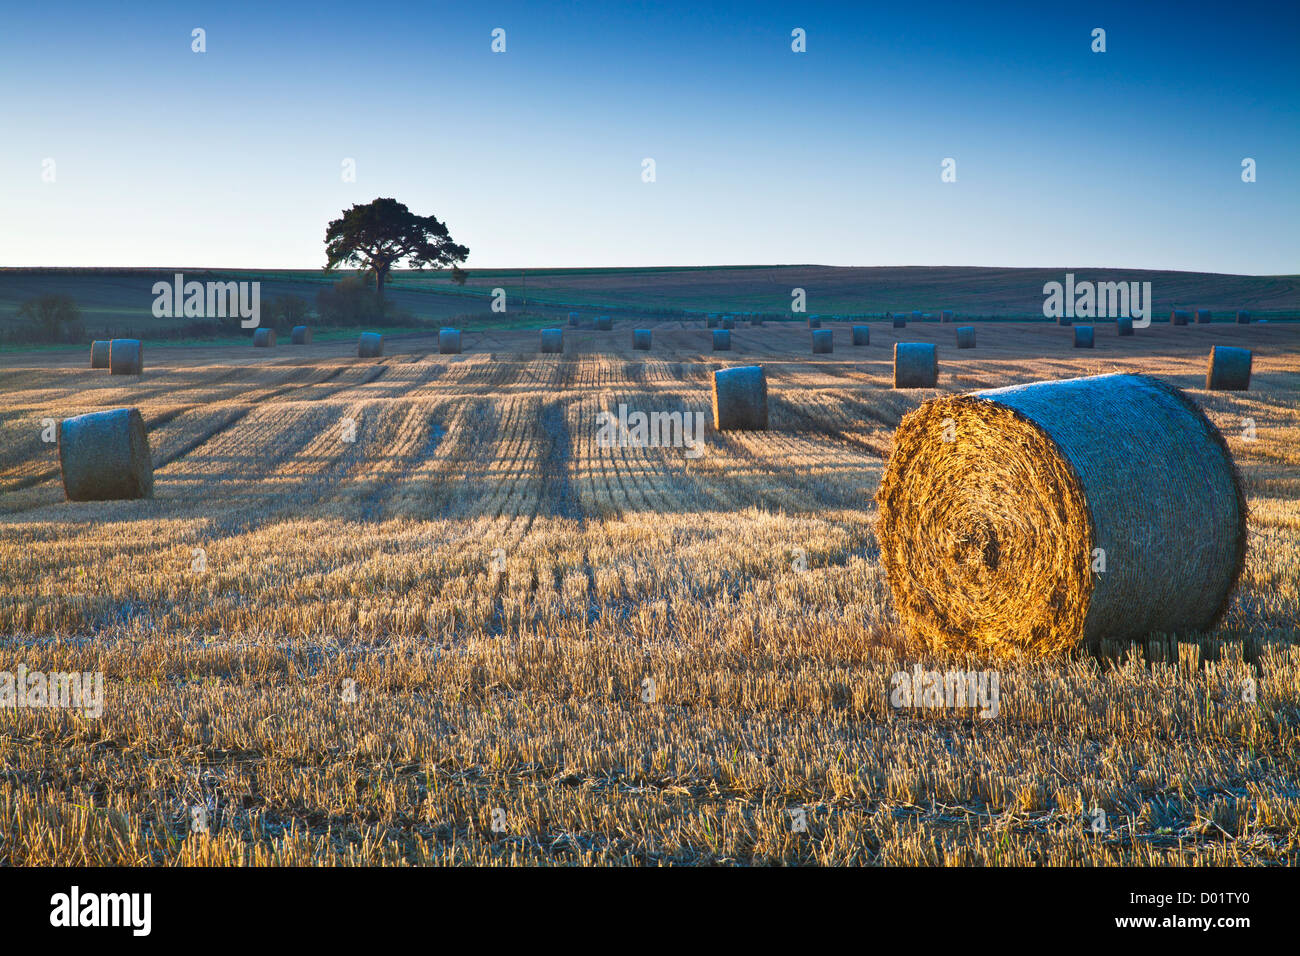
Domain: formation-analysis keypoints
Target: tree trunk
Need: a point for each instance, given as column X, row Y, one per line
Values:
column 381, row 273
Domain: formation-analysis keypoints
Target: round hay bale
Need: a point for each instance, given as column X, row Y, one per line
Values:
column 1000, row 509
column 553, row 341
column 711, row 321
column 1064, row 320
column 728, row 322
column 721, row 340
column 104, row 456
column 822, row 341
column 966, row 337
column 947, row 315
column 1124, row 326
column 641, row 339
column 740, row 399
column 125, row 357
column 916, row 365
column 263, row 338
column 1243, row 317
column 814, row 321
column 861, row 335
column 1229, row 369
column 449, row 341
column 1179, row 317
column 99, row 354
column 1203, row 317
column 573, row 320
column 301, row 335
column 916, row 316
column 370, row 345
column 900, row 319
column 1083, row 337
column 604, row 323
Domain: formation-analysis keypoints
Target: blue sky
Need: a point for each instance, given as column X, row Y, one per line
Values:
column 533, row 157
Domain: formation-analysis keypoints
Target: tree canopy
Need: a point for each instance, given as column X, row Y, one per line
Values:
column 382, row 233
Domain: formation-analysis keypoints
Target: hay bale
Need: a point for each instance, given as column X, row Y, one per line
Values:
column 301, row 335
column 916, row 365
column 1064, row 320
column 966, row 337
column 861, row 335
column 721, row 340
column 1229, row 369
column 999, row 509
column 740, row 399
column 916, row 316
column 899, row 318
column 370, row 345
column 1083, row 338
column 822, row 341
column 573, row 320
column 553, row 340
column 728, row 322
column 1179, row 317
column 125, row 357
column 711, row 321
column 99, row 354
column 947, row 315
column 1243, row 317
column 264, row 338
column 1203, row 317
column 1124, row 326
column 104, row 456
column 814, row 321
column 604, row 323
column 449, row 341
column 641, row 339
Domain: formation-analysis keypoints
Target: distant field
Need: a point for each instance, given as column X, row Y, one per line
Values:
column 360, row 676
column 122, row 298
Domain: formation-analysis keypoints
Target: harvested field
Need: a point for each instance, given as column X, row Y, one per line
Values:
column 634, row 655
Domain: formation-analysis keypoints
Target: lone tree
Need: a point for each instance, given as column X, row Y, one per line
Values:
column 382, row 233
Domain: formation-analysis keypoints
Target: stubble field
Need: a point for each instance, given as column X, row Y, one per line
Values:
column 472, row 635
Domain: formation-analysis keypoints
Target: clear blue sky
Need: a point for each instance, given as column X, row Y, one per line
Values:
column 1131, row 158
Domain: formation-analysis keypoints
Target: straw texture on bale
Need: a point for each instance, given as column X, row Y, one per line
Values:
column 301, row 335
column 449, row 341
column 553, row 340
column 573, row 320
column 604, row 323
column 998, row 508
column 104, row 456
column 264, row 338
column 1083, row 337
column 740, row 399
column 1243, row 317
column 1229, row 369
column 370, row 345
column 822, row 341
column 861, row 335
column 900, row 320
column 1124, row 326
column 1203, row 317
column 721, row 340
column 99, row 354
column 641, row 339
column 966, row 337
column 125, row 357
column 1179, row 317
column 947, row 315
column 916, row 365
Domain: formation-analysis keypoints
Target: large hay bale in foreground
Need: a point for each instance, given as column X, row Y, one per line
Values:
column 721, row 340
column 740, row 399
column 1124, row 326
column 553, row 341
column 1083, row 337
column 301, row 335
column 1243, row 317
column 264, row 338
column 125, row 357
column 1179, row 317
column 1203, row 317
column 861, row 335
column 822, row 341
column 604, row 323
column 449, row 341
column 1000, row 509
column 641, row 339
column 99, row 354
column 104, row 456
column 966, row 337
column 899, row 319
column 916, row 365
column 1229, row 369
column 370, row 345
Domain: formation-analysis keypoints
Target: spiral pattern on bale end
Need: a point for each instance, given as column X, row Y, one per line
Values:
column 996, row 507
column 449, row 341
column 104, row 456
column 99, row 354
column 301, row 335
column 740, row 399
column 1229, row 369
column 370, row 345
column 125, row 357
